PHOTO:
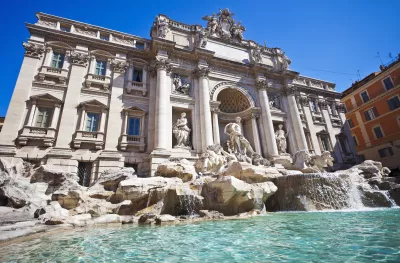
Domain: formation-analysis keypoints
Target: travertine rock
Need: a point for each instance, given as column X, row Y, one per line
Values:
column 54, row 214
column 231, row 196
column 250, row 173
column 181, row 169
column 166, row 219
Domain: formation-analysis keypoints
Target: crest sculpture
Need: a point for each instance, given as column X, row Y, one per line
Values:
column 224, row 26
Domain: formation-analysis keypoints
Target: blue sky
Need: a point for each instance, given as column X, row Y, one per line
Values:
column 320, row 37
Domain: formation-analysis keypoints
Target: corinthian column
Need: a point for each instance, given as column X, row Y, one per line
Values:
column 215, row 112
column 205, row 113
column 254, row 127
column 266, row 117
column 288, row 90
column 162, row 116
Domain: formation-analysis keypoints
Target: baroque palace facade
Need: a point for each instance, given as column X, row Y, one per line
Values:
column 88, row 99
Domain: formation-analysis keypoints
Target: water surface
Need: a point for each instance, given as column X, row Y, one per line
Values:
column 368, row 236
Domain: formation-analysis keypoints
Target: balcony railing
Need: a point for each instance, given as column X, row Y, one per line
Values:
column 45, row 135
column 98, row 80
column 132, row 86
column 94, row 138
column 135, row 141
column 59, row 75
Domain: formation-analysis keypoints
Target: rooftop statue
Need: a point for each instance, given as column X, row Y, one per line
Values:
column 223, row 25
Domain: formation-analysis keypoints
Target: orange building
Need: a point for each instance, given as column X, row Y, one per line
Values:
column 373, row 115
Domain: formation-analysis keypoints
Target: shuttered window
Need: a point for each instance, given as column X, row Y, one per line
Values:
column 43, row 117
column 92, row 120
column 394, row 103
column 134, row 126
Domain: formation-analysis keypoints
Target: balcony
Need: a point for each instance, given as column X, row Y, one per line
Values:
column 132, row 141
column 59, row 75
column 98, row 80
column 45, row 136
column 134, row 87
column 96, row 139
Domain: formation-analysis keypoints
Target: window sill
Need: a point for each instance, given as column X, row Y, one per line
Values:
column 95, row 139
column 45, row 135
column 132, row 141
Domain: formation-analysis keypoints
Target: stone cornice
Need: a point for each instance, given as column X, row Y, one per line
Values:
column 288, row 89
column 33, row 50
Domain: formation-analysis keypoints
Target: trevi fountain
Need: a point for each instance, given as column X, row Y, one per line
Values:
column 229, row 204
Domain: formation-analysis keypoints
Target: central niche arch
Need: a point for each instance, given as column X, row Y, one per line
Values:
column 232, row 101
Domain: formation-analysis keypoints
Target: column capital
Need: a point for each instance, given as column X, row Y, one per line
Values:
column 119, row 66
column 323, row 104
column 33, row 50
column 304, row 101
column 255, row 115
column 288, row 89
column 163, row 63
column 262, row 84
column 79, row 59
column 215, row 110
column 340, row 107
column 201, row 72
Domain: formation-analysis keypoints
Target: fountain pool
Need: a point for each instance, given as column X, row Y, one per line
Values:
column 340, row 236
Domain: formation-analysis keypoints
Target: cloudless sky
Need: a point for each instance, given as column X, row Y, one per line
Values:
column 319, row 36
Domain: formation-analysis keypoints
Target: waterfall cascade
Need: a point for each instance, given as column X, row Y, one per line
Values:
column 321, row 191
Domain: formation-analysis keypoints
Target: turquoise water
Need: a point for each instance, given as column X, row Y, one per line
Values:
column 369, row 236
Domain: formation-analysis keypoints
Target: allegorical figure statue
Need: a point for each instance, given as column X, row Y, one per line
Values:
column 280, row 137
column 238, row 144
column 162, row 27
column 181, row 131
column 179, row 87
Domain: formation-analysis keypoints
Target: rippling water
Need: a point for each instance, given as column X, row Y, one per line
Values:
column 367, row 236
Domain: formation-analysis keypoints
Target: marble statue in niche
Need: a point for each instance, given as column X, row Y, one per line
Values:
column 162, row 27
column 274, row 102
column 180, row 86
column 281, row 142
column 181, row 132
column 237, row 143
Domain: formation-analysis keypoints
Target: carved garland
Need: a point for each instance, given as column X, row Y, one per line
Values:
column 119, row 66
column 79, row 59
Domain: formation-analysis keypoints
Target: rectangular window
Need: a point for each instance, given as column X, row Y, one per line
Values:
column 355, row 140
column 378, row 132
column 350, row 122
column 325, row 143
column 104, row 37
column 394, row 103
column 137, row 75
column 371, row 114
column 43, row 117
column 364, row 96
column 385, row 152
column 65, row 28
column 344, row 145
column 100, row 68
column 134, row 126
column 92, row 120
column 388, row 83
column 57, row 61
column 139, row 45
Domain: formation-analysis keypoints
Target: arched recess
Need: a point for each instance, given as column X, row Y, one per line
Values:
column 59, row 44
column 233, row 85
column 101, row 53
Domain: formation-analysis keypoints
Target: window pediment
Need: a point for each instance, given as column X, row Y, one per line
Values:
column 46, row 97
column 101, row 53
column 135, row 111
column 93, row 103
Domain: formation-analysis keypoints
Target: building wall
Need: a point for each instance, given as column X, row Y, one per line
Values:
column 387, row 119
column 74, row 90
